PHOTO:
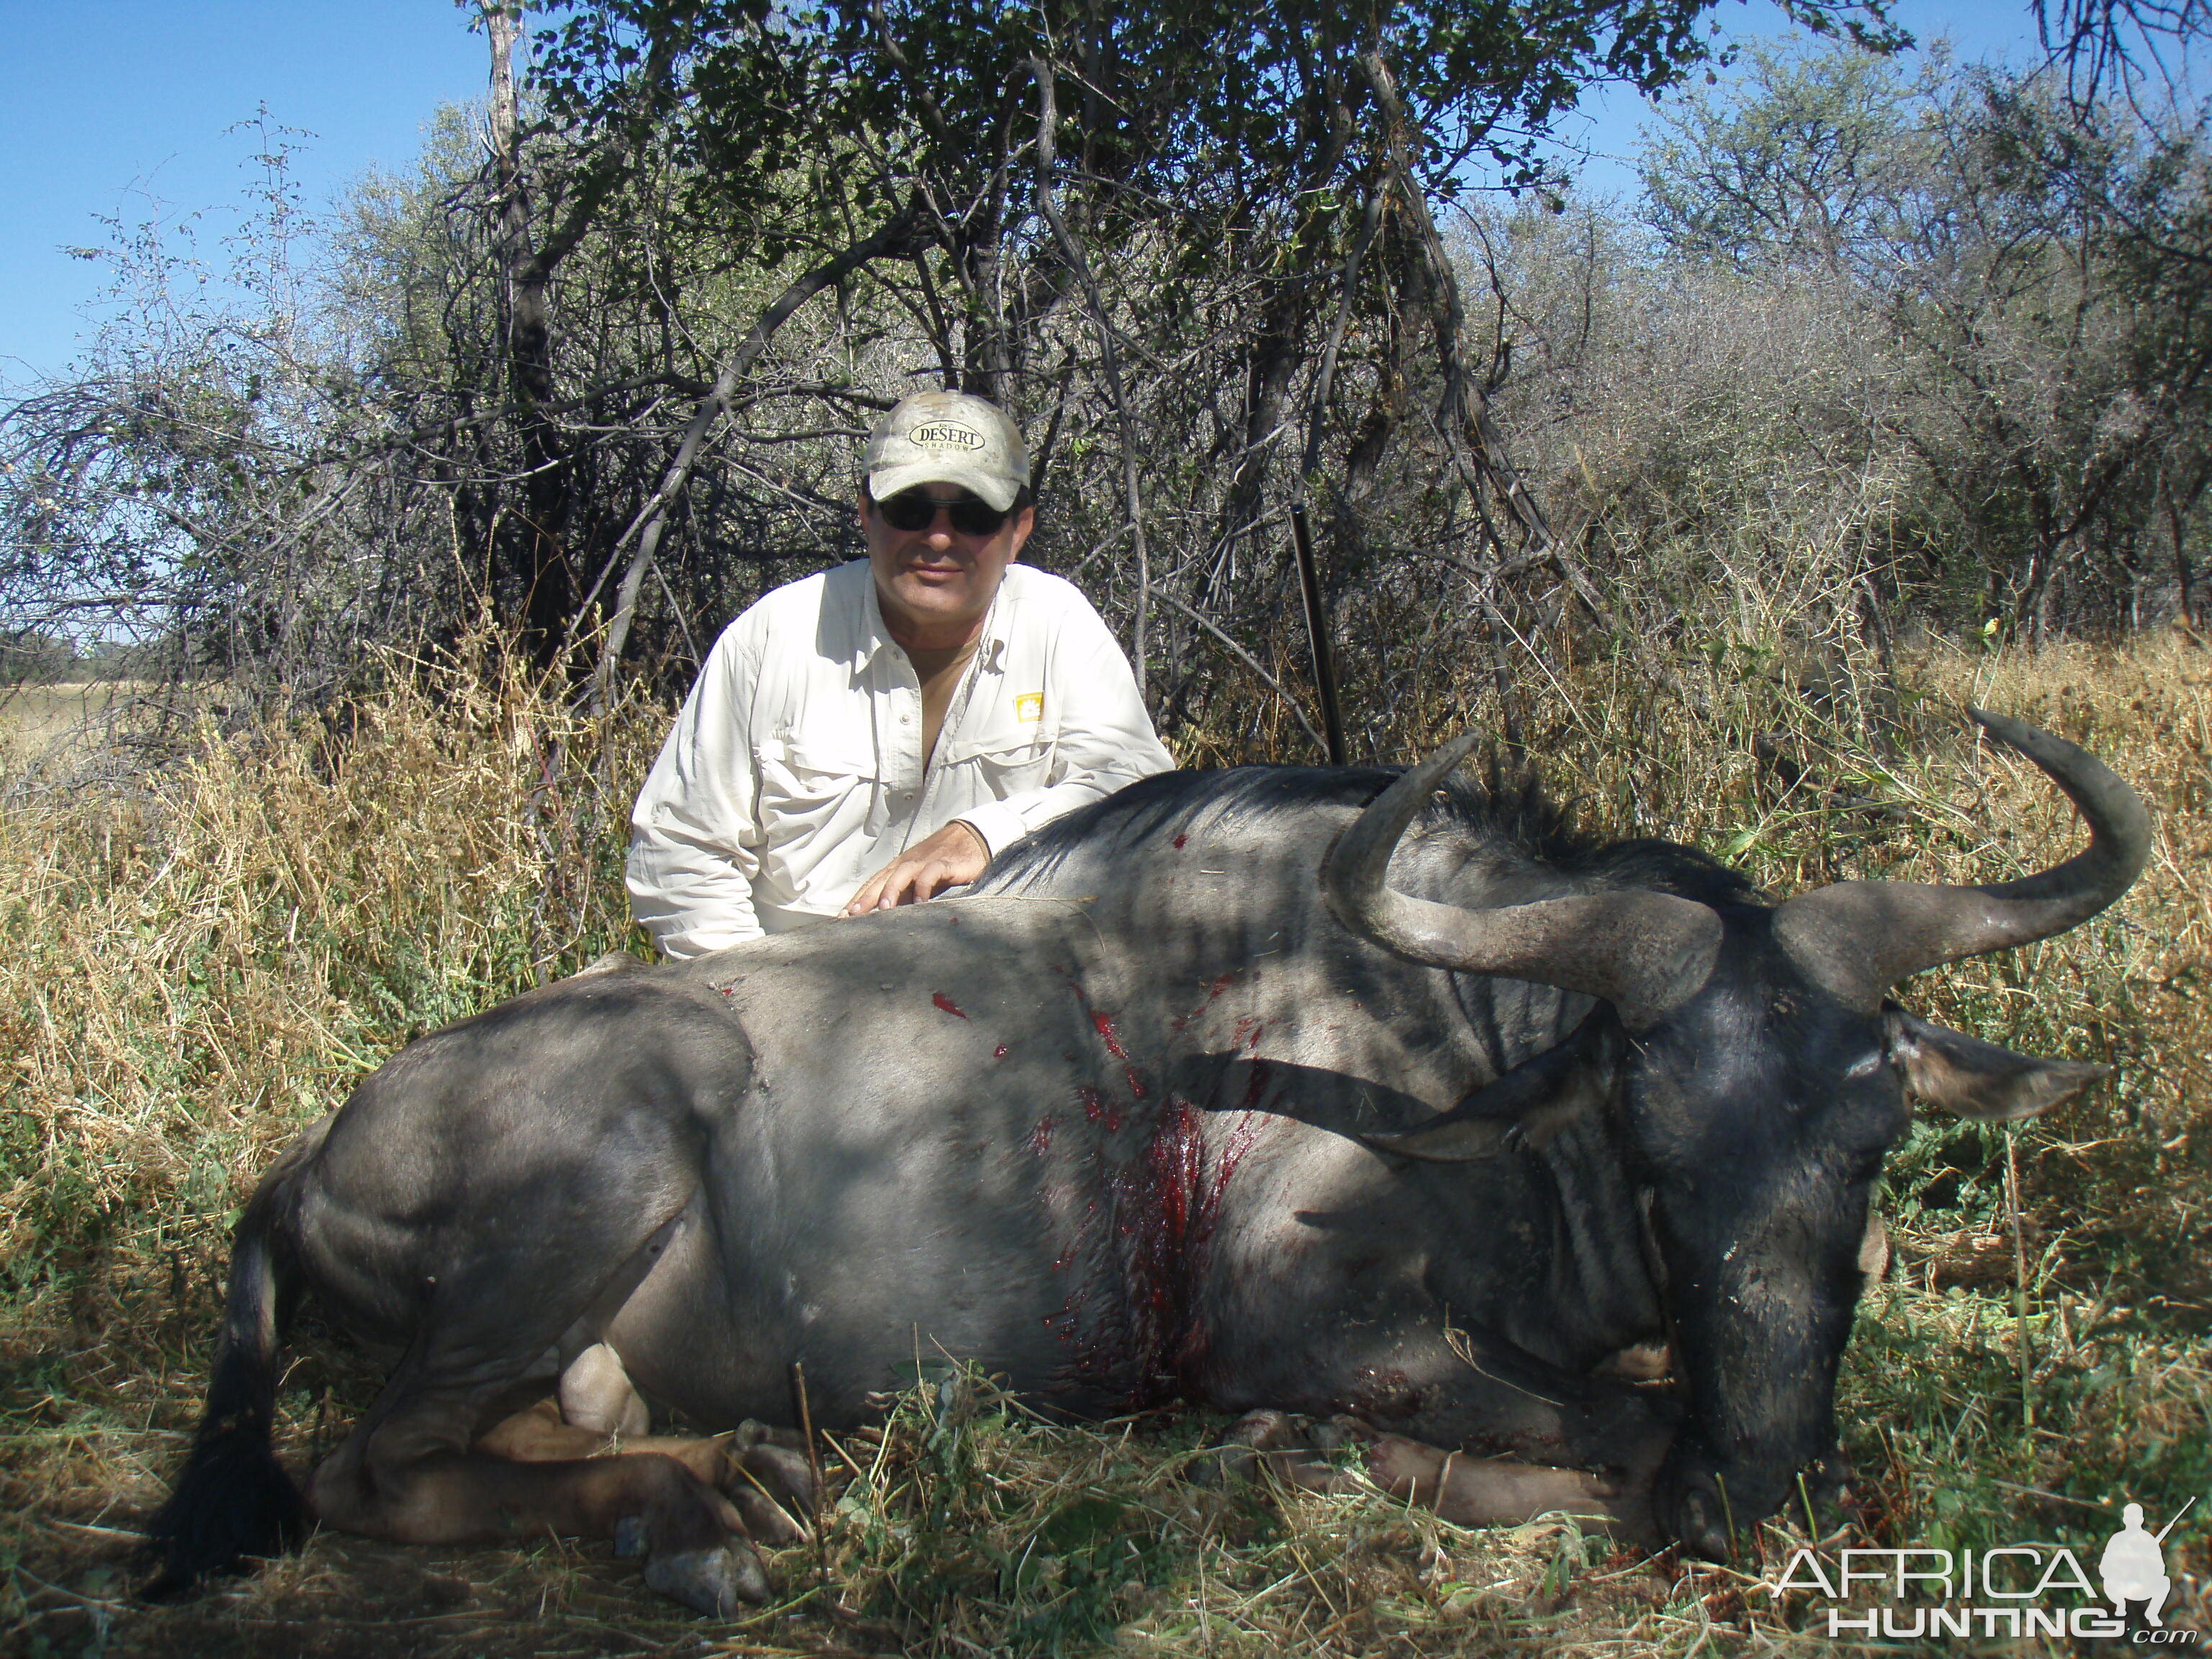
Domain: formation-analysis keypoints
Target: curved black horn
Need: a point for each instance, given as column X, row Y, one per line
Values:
column 1859, row 937
column 1646, row 953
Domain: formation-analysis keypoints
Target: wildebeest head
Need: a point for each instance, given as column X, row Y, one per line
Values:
column 1758, row 1075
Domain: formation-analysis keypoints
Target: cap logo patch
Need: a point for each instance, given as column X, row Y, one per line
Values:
column 945, row 437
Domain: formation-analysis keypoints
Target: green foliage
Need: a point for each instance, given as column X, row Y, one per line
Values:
column 2034, row 270
column 1817, row 158
column 1171, row 94
column 949, row 1515
column 30, row 655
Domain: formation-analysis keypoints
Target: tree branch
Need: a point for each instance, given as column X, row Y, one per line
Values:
column 895, row 238
column 1252, row 662
column 1079, row 261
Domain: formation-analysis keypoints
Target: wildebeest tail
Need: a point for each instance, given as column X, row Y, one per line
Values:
column 232, row 1500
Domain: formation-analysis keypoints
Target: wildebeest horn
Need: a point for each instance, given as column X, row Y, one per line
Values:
column 1859, row 937
column 1646, row 953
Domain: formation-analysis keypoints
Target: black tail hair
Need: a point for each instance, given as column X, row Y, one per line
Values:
column 233, row 1498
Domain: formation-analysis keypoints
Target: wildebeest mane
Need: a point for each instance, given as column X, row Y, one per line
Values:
column 1505, row 808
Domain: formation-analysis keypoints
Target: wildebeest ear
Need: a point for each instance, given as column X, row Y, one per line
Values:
column 1978, row 1079
column 1531, row 1103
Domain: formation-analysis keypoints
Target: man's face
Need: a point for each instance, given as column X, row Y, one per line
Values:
column 935, row 583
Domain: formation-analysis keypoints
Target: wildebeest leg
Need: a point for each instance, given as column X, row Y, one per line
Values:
column 1486, row 1396
column 596, row 1394
column 755, row 1479
column 1496, row 1400
column 1589, row 1446
column 1467, row 1490
column 1494, row 1491
column 1530, row 1434
column 408, row 1475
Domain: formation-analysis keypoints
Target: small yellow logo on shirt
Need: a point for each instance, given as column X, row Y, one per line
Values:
column 1029, row 706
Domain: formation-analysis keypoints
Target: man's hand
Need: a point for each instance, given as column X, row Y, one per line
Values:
column 954, row 855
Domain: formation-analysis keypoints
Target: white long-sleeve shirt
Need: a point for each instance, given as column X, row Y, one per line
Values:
column 795, row 771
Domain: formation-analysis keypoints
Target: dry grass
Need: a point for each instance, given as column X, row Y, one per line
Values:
column 195, row 966
column 62, row 723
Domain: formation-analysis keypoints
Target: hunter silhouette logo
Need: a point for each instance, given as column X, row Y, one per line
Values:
column 2133, row 1565
column 2010, row 1591
column 942, row 436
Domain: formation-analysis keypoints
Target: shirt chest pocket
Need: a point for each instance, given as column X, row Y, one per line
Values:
column 1005, row 760
column 803, row 775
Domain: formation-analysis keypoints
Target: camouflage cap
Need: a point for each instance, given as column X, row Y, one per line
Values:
column 948, row 437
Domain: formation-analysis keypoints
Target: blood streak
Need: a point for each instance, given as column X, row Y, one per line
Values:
column 1165, row 1207
column 947, row 1004
column 999, row 1053
column 1247, row 1034
column 1040, row 1136
column 1179, row 841
column 1105, row 1025
column 1262, row 1075
column 1212, row 994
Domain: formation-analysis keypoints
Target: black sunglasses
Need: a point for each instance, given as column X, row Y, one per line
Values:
column 910, row 510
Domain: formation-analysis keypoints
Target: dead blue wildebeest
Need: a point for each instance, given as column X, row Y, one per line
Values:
column 1308, row 1090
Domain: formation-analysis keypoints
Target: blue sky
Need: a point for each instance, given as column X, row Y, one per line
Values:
column 1613, row 119
column 102, row 101
column 106, row 103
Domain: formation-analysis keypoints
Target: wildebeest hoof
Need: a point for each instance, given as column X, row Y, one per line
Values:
column 1341, row 1431
column 769, row 1487
column 1264, row 1430
column 630, row 1540
column 1276, row 1443
column 1238, row 1455
column 754, row 1433
column 765, row 1520
column 716, row 1582
column 784, row 1472
column 1701, row 1531
column 1697, row 1520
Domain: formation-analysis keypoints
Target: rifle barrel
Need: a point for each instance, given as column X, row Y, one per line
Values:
column 1332, row 719
column 2176, row 1522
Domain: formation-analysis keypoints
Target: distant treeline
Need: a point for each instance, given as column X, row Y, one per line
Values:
column 1885, row 343
column 28, row 657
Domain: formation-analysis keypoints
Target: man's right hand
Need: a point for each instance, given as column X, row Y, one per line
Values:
column 952, row 857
